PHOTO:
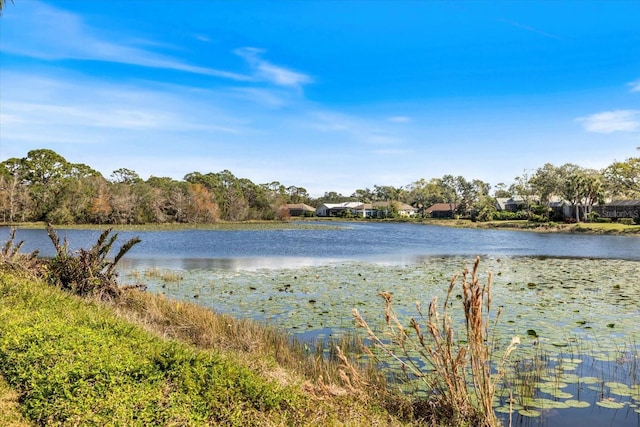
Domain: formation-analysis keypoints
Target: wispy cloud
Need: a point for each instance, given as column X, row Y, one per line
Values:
column 635, row 86
column 266, row 71
column 399, row 119
column 358, row 129
column 76, row 110
column 55, row 34
column 612, row 121
column 529, row 28
column 271, row 98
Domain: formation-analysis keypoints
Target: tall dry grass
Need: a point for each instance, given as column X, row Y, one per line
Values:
column 327, row 366
column 459, row 371
column 15, row 261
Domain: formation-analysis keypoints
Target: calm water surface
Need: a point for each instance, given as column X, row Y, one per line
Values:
column 374, row 242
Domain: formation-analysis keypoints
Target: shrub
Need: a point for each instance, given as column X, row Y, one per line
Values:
column 537, row 218
column 593, row 217
column 507, row 216
column 88, row 272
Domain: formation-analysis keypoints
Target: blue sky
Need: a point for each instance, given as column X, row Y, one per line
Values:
column 327, row 95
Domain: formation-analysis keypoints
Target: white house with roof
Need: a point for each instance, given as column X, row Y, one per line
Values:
column 366, row 210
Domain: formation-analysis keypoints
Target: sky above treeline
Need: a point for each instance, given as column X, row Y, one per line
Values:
column 326, row 95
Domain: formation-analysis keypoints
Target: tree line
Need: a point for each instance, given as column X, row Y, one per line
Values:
column 44, row 186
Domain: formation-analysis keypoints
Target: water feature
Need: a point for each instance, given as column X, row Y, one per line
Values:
column 326, row 242
column 572, row 299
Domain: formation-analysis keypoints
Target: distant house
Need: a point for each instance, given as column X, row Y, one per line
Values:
column 619, row 209
column 510, row 204
column 501, row 203
column 366, row 210
column 442, row 210
column 299, row 209
column 560, row 208
column 337, row 209
column 384, row 209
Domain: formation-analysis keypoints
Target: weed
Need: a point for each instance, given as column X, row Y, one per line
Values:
column 168, row 276
column 11, row 259
column 458, row 373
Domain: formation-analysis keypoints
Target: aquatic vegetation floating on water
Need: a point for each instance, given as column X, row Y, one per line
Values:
column 570, row 309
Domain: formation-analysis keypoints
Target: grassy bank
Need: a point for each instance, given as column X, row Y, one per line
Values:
column 73, row 361
column 542, row 227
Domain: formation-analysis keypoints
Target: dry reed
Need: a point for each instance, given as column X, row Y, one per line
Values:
column 458, row 373
column 13, row 260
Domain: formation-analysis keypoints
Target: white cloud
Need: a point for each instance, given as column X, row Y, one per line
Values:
column 269, row 72
column 271, row 98
column 612, row 121
column 357, row 129
column 635, row 86
column 399, row 119
column 55, row 34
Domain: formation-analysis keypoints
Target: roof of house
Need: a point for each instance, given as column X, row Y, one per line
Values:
column 374, row 205
column 440, row 207
column 399, row 205
column 301, row 206
column 627, row 203
column 343, row 205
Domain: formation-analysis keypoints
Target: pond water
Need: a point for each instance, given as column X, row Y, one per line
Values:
column 574, row 300
column 326, row 242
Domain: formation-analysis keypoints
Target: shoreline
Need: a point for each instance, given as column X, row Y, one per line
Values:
column 609, row 229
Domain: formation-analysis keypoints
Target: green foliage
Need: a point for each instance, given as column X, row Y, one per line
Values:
column 624, row 177
column 74, row 363
column 510, row 216
column 43, row 186
column 88, row 272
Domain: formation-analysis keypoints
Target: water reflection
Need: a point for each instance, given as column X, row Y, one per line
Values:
column 228, row 264
column 379, row 243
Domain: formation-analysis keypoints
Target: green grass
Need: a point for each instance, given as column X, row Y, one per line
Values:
column 75, row 362
column 542, row 227
column 606, row 228
column 69, row 360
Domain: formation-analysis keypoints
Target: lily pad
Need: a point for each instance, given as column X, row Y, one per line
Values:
column 561, row 394
column 610, row 404
column 577, row 403
column 532, row 413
